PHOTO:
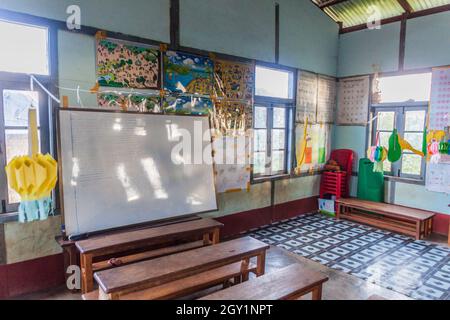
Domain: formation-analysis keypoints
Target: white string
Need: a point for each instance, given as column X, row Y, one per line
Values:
column 33, row 79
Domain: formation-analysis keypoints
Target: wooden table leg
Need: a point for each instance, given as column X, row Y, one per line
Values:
column 317, row 293
column 216, row 236
column 418, row 228
column 87, row 276
column 261, row 264
column 244, row 269
column 206, row 239
column 338, row 211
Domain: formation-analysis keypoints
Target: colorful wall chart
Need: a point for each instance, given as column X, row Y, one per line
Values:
column 186, row 73
column 188, row 105
column 353, row 105
column 132, row 102
column 123, row 65
column 234, row 80
column 318, row 146
column 326, row 99
column 232, row 163
column 440, row 99
column 307, row 96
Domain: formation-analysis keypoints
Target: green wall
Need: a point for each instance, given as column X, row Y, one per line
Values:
column 308, row 40
column 427, row 45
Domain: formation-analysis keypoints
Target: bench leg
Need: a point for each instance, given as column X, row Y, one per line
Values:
column 244, row 269
column 105, row 296
column 317, row 293
column 338, row 211
column 87, row 277
column 216, row 236
column 261, row 264
column 418, row 230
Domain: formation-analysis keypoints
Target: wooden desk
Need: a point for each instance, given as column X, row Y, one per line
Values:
column 289, row 283
column 410, row 221
column 118, row 243
column 118, row 282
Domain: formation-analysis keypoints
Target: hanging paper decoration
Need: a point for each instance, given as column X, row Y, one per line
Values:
column 33, row 177
column 326, row 99
column 130, row 102
column 123, row 65
column 395, row 150
column 232, row 118
column 438, row 177
column 307, row 89
column 186, row 73
column 188, row 105
column 439, row 114
column 353, row 106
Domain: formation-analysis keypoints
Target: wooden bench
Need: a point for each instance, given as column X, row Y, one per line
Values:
column 409, row 221
column 137, row 277
column 120, row 244
column 289, row 283
column 186, row 286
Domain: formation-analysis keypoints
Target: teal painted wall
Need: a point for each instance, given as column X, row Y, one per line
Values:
column 143, row 18
column 307, row 37
column 428, row 41
column 359, row 50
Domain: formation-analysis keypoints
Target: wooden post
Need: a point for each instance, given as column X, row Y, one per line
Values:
column 261, row 264
column 244, row 269
column 87, row 277
column 317, row 293
column 216, row 236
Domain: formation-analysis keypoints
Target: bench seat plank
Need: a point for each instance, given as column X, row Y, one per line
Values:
column 388, row 209
column 129, row 240
column 143, row 275
column 185, row 286
column 288, row 283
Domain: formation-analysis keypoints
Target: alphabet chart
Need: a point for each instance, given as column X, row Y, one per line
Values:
column 306, row 97
column 353, row 106
column 440, row 99
column 326, row 104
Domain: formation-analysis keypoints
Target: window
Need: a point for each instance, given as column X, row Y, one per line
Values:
column 404, row 107
column 24, row 51
column 24, row 48
column 273, row 116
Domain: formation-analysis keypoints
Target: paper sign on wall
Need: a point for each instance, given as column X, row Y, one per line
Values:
column 440, row 99
column 326, row 99
column 307, row 97
column 353, row 106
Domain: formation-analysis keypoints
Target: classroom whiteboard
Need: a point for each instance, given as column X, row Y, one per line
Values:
column 117, row 168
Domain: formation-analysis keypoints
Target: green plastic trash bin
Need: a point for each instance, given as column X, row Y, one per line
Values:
column 370, row 184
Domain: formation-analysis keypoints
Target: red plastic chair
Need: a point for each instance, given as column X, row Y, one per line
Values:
column 338, row 183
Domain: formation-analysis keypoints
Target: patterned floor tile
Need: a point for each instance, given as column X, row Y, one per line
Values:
column 418, row 269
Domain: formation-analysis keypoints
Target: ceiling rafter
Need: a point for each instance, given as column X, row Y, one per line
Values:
column 330, row 3
column 406, row 6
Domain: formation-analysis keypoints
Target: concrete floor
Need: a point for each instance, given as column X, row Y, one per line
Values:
column 340, row 286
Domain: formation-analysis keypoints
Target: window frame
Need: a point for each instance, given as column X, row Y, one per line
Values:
column 21, row 81
column 400, row 110
column 270, row 103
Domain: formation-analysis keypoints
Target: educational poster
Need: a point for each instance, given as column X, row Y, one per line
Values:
column 132, row 102
column 440, row 99
column 186, row 73
column 232, row 163
column 232, row 117
column 353, row 101
column 307, row 96
column 326, row 99
column 234, row 80
column 185, row 105
column 438, row 177
column 318, row 147
column 123, row 65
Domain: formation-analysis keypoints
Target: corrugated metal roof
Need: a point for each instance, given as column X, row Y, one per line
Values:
column 357, row 12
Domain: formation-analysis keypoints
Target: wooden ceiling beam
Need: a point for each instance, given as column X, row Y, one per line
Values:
column 411, row 15
column 406, row 6
column 330, row 3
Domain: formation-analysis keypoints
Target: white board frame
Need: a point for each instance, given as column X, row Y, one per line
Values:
column 149, row 223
